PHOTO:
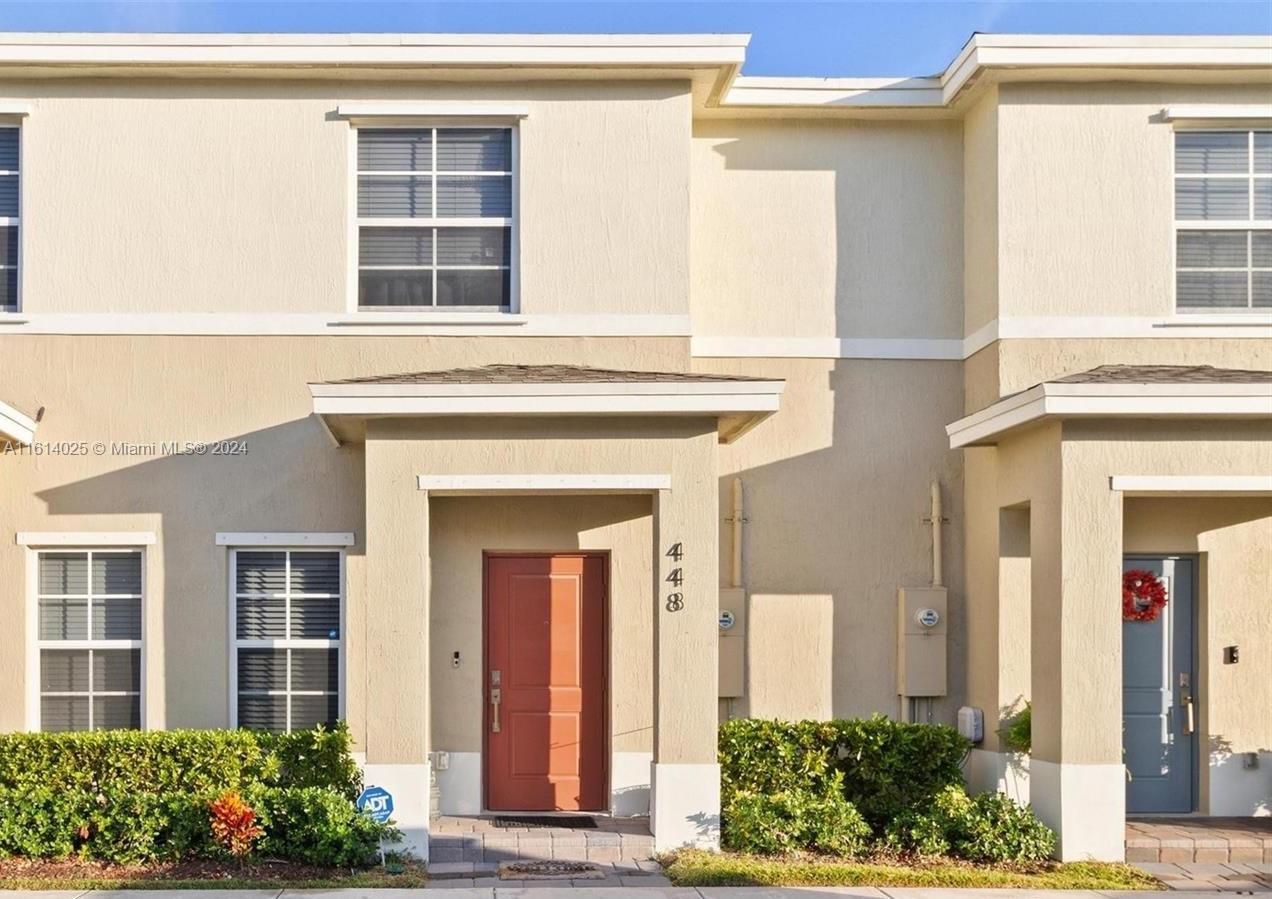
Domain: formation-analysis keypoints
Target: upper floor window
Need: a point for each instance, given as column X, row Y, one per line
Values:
column 1223, row 221
column 435, row 218
column 89, row 639
column 9, row 187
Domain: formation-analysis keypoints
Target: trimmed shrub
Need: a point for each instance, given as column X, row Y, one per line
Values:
column 794, row 821
column 234, row 826
column 928, row 831
column 317, row 826
column 997, row 829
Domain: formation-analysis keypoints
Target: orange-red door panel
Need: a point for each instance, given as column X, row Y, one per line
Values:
column 545, row 635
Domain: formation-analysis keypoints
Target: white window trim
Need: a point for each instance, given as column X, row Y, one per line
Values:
column 283, row 539
column 236, row 644
column 1250, row 224
column 34, row 644
column 96, row 539
column 500, row 119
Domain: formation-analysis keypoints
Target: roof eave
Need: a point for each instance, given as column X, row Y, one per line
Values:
column 16, row 428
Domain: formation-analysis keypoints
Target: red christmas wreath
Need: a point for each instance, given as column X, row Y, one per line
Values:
column 1143, row 595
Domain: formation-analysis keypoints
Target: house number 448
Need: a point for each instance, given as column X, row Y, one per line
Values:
column 675, row 577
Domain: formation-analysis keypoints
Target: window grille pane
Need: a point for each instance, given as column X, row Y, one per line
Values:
column 1261, row 246
column 63, row 713
column 9, row 195
column 395, row 288
column 64, row 619
column 315, row 669
column 64, row 573
column 9, row 245
column 260, row 619
column 116, row 712
column 459, row 287
column 473, row 246
column 1262, row 290
column 117, row 573
column 309, row 711
column 116, row 618
column 1211, row 249
column 1263, row 152
column 315, row 619
column 1263, row 198
column 1212, row 152
column 9, row 289
column 474, row 150
column 9, row 149
column 116, row 670
column 263, row 713
column 64, row 671
column 1211, row 290
column 395, row 150
column 262, row 669
column 474, row 196
column 1212, row 199
column 396, row 196
column 315, row 572
column 261, row 572
column 395, row 246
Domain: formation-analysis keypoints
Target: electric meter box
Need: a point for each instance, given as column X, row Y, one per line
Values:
column 922, row 625
column 732, row 631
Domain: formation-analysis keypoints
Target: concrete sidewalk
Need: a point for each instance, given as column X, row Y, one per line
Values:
column 652, row 892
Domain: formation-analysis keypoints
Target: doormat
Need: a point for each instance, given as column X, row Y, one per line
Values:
column 550, row 870
column 571, row 821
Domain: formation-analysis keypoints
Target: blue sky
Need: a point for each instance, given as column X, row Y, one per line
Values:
column 845, row 37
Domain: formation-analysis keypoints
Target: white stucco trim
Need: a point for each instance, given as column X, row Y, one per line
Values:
column 827, row 347
column 459, row 784
column 1003, row 772
column 1057, row 399
column 630, row 784
column 86, row 538
column 1217, row 113
column 1165, row 484
column 433, row 110
column 463, row 484
column 684, row 805
column 16, row 427
column 283, row 538
column 409, row 786
column 1085, row 805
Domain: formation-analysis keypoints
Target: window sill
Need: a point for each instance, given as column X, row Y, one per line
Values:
column 13, row 318
column 433, row 318
column 1235, row 319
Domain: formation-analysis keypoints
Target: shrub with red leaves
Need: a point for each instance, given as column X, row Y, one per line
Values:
column 234, row 824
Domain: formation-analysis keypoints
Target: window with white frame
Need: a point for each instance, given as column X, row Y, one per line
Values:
column 435, row 218
column 9, row 193
column 1223, row 220
column 288, row 637
column 89, row 638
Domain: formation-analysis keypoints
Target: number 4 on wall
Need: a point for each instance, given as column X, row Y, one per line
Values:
column 676, row 553
column 675, row 577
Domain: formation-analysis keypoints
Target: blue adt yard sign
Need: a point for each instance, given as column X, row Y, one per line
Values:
column 376, row 803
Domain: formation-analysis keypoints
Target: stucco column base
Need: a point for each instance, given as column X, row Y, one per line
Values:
column 1085, row 805
column 409, row 786
column 1003, row 772
column 684, row 807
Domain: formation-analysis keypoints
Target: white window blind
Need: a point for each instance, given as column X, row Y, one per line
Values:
column 1223, row 221
column 435, row 218
column 89, row 639
column 288, row 637
column 9, row 194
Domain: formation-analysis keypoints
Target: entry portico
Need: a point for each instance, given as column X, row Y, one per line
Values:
column 559, row 464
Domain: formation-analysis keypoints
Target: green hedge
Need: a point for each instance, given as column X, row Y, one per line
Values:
column 130, row 796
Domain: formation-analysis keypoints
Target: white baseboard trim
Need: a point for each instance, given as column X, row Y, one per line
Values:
column 685, row 806
column 1002, row 772
column 1085, row 805
column 459, row 784
column 409, row 786
column 629, row 783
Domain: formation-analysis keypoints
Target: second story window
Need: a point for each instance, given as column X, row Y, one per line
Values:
column 435, row 218
column 1223, row 221
column 9, row 192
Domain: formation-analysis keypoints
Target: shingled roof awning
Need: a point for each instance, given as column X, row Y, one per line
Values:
column 1129, row 391
column 15, row 427
column 739, row 403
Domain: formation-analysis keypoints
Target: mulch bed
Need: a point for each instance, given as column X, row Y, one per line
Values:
column 194, row 869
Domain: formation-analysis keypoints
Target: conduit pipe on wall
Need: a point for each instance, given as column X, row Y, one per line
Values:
column 937, row 573
column 735, row 577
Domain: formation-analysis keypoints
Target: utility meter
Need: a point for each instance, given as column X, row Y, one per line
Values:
column 927, row 617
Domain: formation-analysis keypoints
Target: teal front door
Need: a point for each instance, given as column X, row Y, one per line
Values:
column 1159, row 682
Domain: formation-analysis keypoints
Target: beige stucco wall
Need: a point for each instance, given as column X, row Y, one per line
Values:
column 232, row 196
column 1085, row 177
column 823, row 229
column 980, row 213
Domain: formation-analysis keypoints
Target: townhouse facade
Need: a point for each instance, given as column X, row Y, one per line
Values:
column 532, row 403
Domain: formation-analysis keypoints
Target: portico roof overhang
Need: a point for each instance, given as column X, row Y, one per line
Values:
column 15, row 427
column 738, row 404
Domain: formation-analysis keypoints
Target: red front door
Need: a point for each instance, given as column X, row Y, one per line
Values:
column 545, row 683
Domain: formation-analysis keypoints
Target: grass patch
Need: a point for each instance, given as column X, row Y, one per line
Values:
column 75, row 874
column 695, row 868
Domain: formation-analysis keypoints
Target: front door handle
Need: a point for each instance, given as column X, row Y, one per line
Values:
column 495, row 696
column 1190, row 723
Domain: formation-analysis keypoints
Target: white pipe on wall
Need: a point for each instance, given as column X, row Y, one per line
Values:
column 735, row 578
column 938, row 575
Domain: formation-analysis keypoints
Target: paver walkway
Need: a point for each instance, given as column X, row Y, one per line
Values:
column 1233, row 877
column 1212, row 841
